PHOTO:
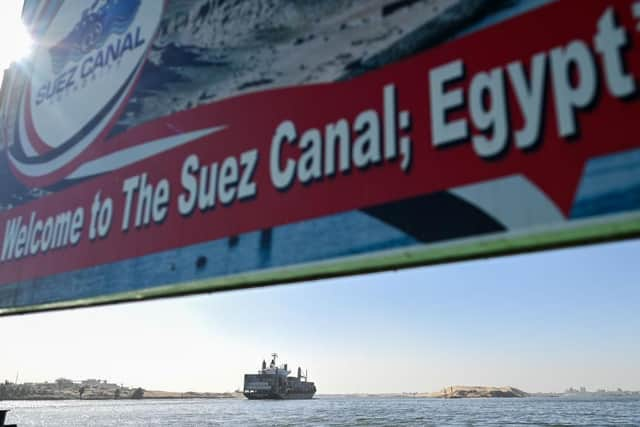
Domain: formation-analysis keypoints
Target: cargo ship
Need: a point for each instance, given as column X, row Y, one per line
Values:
column 274, row 382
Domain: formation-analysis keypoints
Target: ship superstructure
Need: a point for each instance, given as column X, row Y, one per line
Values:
column 274, row 382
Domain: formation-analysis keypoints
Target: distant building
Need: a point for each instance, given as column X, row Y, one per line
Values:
column 64, row 382
column 583, row 389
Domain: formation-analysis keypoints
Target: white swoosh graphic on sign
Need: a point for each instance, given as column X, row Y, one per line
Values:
column 140, row 152
column 513, row 201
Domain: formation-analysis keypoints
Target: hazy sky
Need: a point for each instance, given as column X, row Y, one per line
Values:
column 540, row 322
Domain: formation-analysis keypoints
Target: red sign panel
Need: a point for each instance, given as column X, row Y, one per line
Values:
column 508, row 129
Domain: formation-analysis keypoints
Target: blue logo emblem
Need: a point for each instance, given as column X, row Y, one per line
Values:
column 102, row 19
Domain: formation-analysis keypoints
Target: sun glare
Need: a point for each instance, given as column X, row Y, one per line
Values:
column 15, row 40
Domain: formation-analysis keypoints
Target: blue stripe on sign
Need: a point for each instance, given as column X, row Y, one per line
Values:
column 330, row 237
column 429, row 218
column 609, row 184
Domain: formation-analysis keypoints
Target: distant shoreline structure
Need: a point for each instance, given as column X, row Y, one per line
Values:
column 94, row 389
column 64, row 389
column 460, row 392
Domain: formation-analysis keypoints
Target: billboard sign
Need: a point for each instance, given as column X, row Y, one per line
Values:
column 159, row 148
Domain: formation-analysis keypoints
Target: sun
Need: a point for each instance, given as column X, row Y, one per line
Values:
column 15, row 41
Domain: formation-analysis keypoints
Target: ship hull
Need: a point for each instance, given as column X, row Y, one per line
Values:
column 277, row 396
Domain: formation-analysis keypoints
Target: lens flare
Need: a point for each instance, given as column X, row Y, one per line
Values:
column 16, row 43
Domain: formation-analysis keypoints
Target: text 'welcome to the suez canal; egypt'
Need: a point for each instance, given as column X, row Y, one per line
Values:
column 573, row 75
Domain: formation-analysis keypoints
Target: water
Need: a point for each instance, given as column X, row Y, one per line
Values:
column 331, row 411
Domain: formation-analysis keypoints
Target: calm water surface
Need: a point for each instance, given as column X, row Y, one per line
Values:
column 331, row 411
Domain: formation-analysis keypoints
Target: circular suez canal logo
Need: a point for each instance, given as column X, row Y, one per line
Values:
column 83, row 72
